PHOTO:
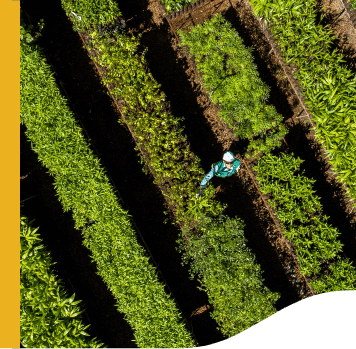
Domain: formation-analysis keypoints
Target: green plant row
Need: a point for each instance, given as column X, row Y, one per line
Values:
column 300, row 212
column 227, row 70
column 177, row 171
column 158, row 132
column 174, row 5
column 91, row 13
column 227, row 270
column 330, row 86
column 48, row 317
column 83, row 188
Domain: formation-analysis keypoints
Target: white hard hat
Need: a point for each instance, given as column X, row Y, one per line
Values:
column 228, row 156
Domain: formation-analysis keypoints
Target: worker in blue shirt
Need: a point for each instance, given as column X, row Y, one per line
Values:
column 224, row 168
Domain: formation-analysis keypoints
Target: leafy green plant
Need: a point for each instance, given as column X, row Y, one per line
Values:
column 84, row 189
column 218, row 252
column 341, row 277
column 29, row 33
column 300, row 213
column 90, row 13
column 329, row 86
column 353, row 4
column 227, row 69
column 48, row 317
column 174, row 5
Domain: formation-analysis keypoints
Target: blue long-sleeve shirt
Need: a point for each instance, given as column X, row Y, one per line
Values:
column 219, row 169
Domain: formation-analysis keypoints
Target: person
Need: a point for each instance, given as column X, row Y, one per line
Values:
column 224, row 168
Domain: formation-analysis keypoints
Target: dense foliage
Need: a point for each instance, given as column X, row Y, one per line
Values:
column 300, row 212
column 48, row 317
column 157, row 131
column 91, row 13
column 83, row 188
column 228, row 271
column 330, row 86
column 227, row 70
column 175, row 168
column 174, row 5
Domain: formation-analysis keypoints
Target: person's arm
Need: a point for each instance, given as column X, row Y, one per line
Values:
column 238, row 166
column 209, row 176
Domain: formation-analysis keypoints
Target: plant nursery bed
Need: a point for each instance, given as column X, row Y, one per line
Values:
column 208, row 136
column 187, row 101
column 249, row 28
column 300, row 138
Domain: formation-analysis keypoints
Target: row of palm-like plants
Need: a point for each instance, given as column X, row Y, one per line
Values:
column 49, row 318
column 83, row 188
column 319, row 252
column 226, row 64
column 329, row 86
column 215, row 248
